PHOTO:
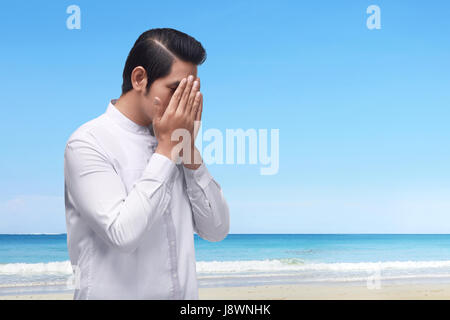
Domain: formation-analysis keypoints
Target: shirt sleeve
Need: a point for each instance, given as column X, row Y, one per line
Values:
column 210, row 211
column 98, row 193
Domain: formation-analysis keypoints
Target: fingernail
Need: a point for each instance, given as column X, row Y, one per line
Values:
column 195, row 84
column 190, row 78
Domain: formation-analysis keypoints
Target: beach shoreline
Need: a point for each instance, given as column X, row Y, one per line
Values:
column 297, row 292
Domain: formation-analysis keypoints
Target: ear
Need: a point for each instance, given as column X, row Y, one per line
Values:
column 139, row 79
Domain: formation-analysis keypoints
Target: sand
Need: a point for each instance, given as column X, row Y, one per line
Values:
column 298, row 292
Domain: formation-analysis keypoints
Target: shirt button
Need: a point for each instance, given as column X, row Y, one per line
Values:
column 172, row 242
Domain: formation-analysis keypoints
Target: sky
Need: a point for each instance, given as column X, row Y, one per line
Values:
column 362, row 113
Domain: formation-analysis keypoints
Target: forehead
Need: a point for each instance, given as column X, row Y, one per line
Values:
column 181, row 69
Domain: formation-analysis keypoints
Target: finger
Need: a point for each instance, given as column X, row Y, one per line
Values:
column 196, row 105
column 175, row 100
column 185, row 96
column 198, row 116
column 194, row 91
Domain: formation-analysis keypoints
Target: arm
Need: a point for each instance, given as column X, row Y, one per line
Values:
column 210, row 212
column 99, row 195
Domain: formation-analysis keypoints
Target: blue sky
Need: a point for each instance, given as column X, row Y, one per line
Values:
column 363, row 114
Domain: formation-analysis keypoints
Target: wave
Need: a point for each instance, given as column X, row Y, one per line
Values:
column 57, row 267
column 269, row 265
column 240, row 266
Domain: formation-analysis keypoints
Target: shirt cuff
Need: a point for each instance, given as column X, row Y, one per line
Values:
column 201, row 176
column 162, row 169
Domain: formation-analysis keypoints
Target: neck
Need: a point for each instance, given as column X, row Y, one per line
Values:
column 128, row 104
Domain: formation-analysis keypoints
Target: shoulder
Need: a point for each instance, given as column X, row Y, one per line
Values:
column 86, row 140
column 87, row 132
column 84, row 151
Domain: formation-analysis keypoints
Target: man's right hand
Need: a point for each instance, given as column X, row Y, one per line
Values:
column 180, row 113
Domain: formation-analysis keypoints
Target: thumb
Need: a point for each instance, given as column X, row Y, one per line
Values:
column 158, row 109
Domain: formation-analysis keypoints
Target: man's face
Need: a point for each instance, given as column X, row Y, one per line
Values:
column 163, row 88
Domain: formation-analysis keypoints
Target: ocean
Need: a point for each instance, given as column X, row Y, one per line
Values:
column 40, row 263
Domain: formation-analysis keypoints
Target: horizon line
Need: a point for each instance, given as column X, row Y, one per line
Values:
column 317, row 233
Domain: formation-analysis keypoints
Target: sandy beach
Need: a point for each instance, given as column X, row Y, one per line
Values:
column 299, row 292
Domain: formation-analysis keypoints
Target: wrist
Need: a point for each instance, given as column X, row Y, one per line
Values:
column 195, row 161
column 192, row 166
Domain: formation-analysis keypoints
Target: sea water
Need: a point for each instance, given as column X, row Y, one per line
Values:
column 40, row 263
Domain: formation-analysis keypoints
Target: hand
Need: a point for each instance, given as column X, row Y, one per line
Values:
column 181, row 112
column 196, row 158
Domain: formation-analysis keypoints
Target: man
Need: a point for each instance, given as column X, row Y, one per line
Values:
column 131, row 206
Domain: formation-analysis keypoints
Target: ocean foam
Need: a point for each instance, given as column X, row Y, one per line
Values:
column 240, row 266
column 61, row 267
column 298, row 265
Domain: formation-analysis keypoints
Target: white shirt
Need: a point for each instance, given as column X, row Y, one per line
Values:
column 131, row 213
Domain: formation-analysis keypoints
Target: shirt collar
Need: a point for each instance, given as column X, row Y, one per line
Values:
column 123, row 121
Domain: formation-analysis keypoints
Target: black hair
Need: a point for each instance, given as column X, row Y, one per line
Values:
column 155, row 49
